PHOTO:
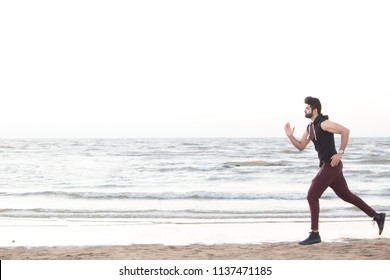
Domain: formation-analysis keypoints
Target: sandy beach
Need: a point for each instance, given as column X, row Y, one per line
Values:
column 349, row 249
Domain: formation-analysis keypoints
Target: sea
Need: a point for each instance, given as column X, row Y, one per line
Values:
column 178, row 190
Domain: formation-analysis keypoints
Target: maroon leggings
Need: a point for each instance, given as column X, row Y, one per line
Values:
column 334, row 178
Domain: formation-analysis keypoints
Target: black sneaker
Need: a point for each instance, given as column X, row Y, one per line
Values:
column 380, row 220
column 313, row 238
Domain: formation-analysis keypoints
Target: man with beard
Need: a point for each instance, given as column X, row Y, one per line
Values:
column 321, row 132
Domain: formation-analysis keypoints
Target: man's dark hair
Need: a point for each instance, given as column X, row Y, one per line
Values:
column 314, row 103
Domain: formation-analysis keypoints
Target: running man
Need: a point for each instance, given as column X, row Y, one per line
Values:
column 321, row 132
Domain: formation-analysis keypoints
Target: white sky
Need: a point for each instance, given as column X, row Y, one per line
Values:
column 196, row 68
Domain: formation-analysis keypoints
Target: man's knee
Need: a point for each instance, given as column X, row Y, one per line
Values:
column 312, row 196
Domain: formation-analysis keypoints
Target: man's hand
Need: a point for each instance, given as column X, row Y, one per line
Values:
column 335, row 160
column 289, row 131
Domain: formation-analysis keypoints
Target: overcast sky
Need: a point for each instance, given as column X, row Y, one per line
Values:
column 182, row 68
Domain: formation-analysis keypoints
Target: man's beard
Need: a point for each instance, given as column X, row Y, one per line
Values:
column 309, row 115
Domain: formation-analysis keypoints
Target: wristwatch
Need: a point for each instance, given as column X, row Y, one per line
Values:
column 341, row 152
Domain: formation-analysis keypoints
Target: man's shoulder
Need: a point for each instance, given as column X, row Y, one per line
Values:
column 330, row 126
column 325, row 123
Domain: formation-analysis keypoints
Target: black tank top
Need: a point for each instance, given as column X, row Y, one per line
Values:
column 323, row 140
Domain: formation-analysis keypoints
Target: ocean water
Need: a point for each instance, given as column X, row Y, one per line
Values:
column 136, row 183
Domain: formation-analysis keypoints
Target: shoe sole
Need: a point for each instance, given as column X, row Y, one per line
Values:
column 311, row 243
column 382, row 224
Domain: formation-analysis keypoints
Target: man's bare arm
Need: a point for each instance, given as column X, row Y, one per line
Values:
column 299, row 144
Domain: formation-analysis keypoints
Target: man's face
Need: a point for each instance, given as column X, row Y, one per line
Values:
column 308, row 112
